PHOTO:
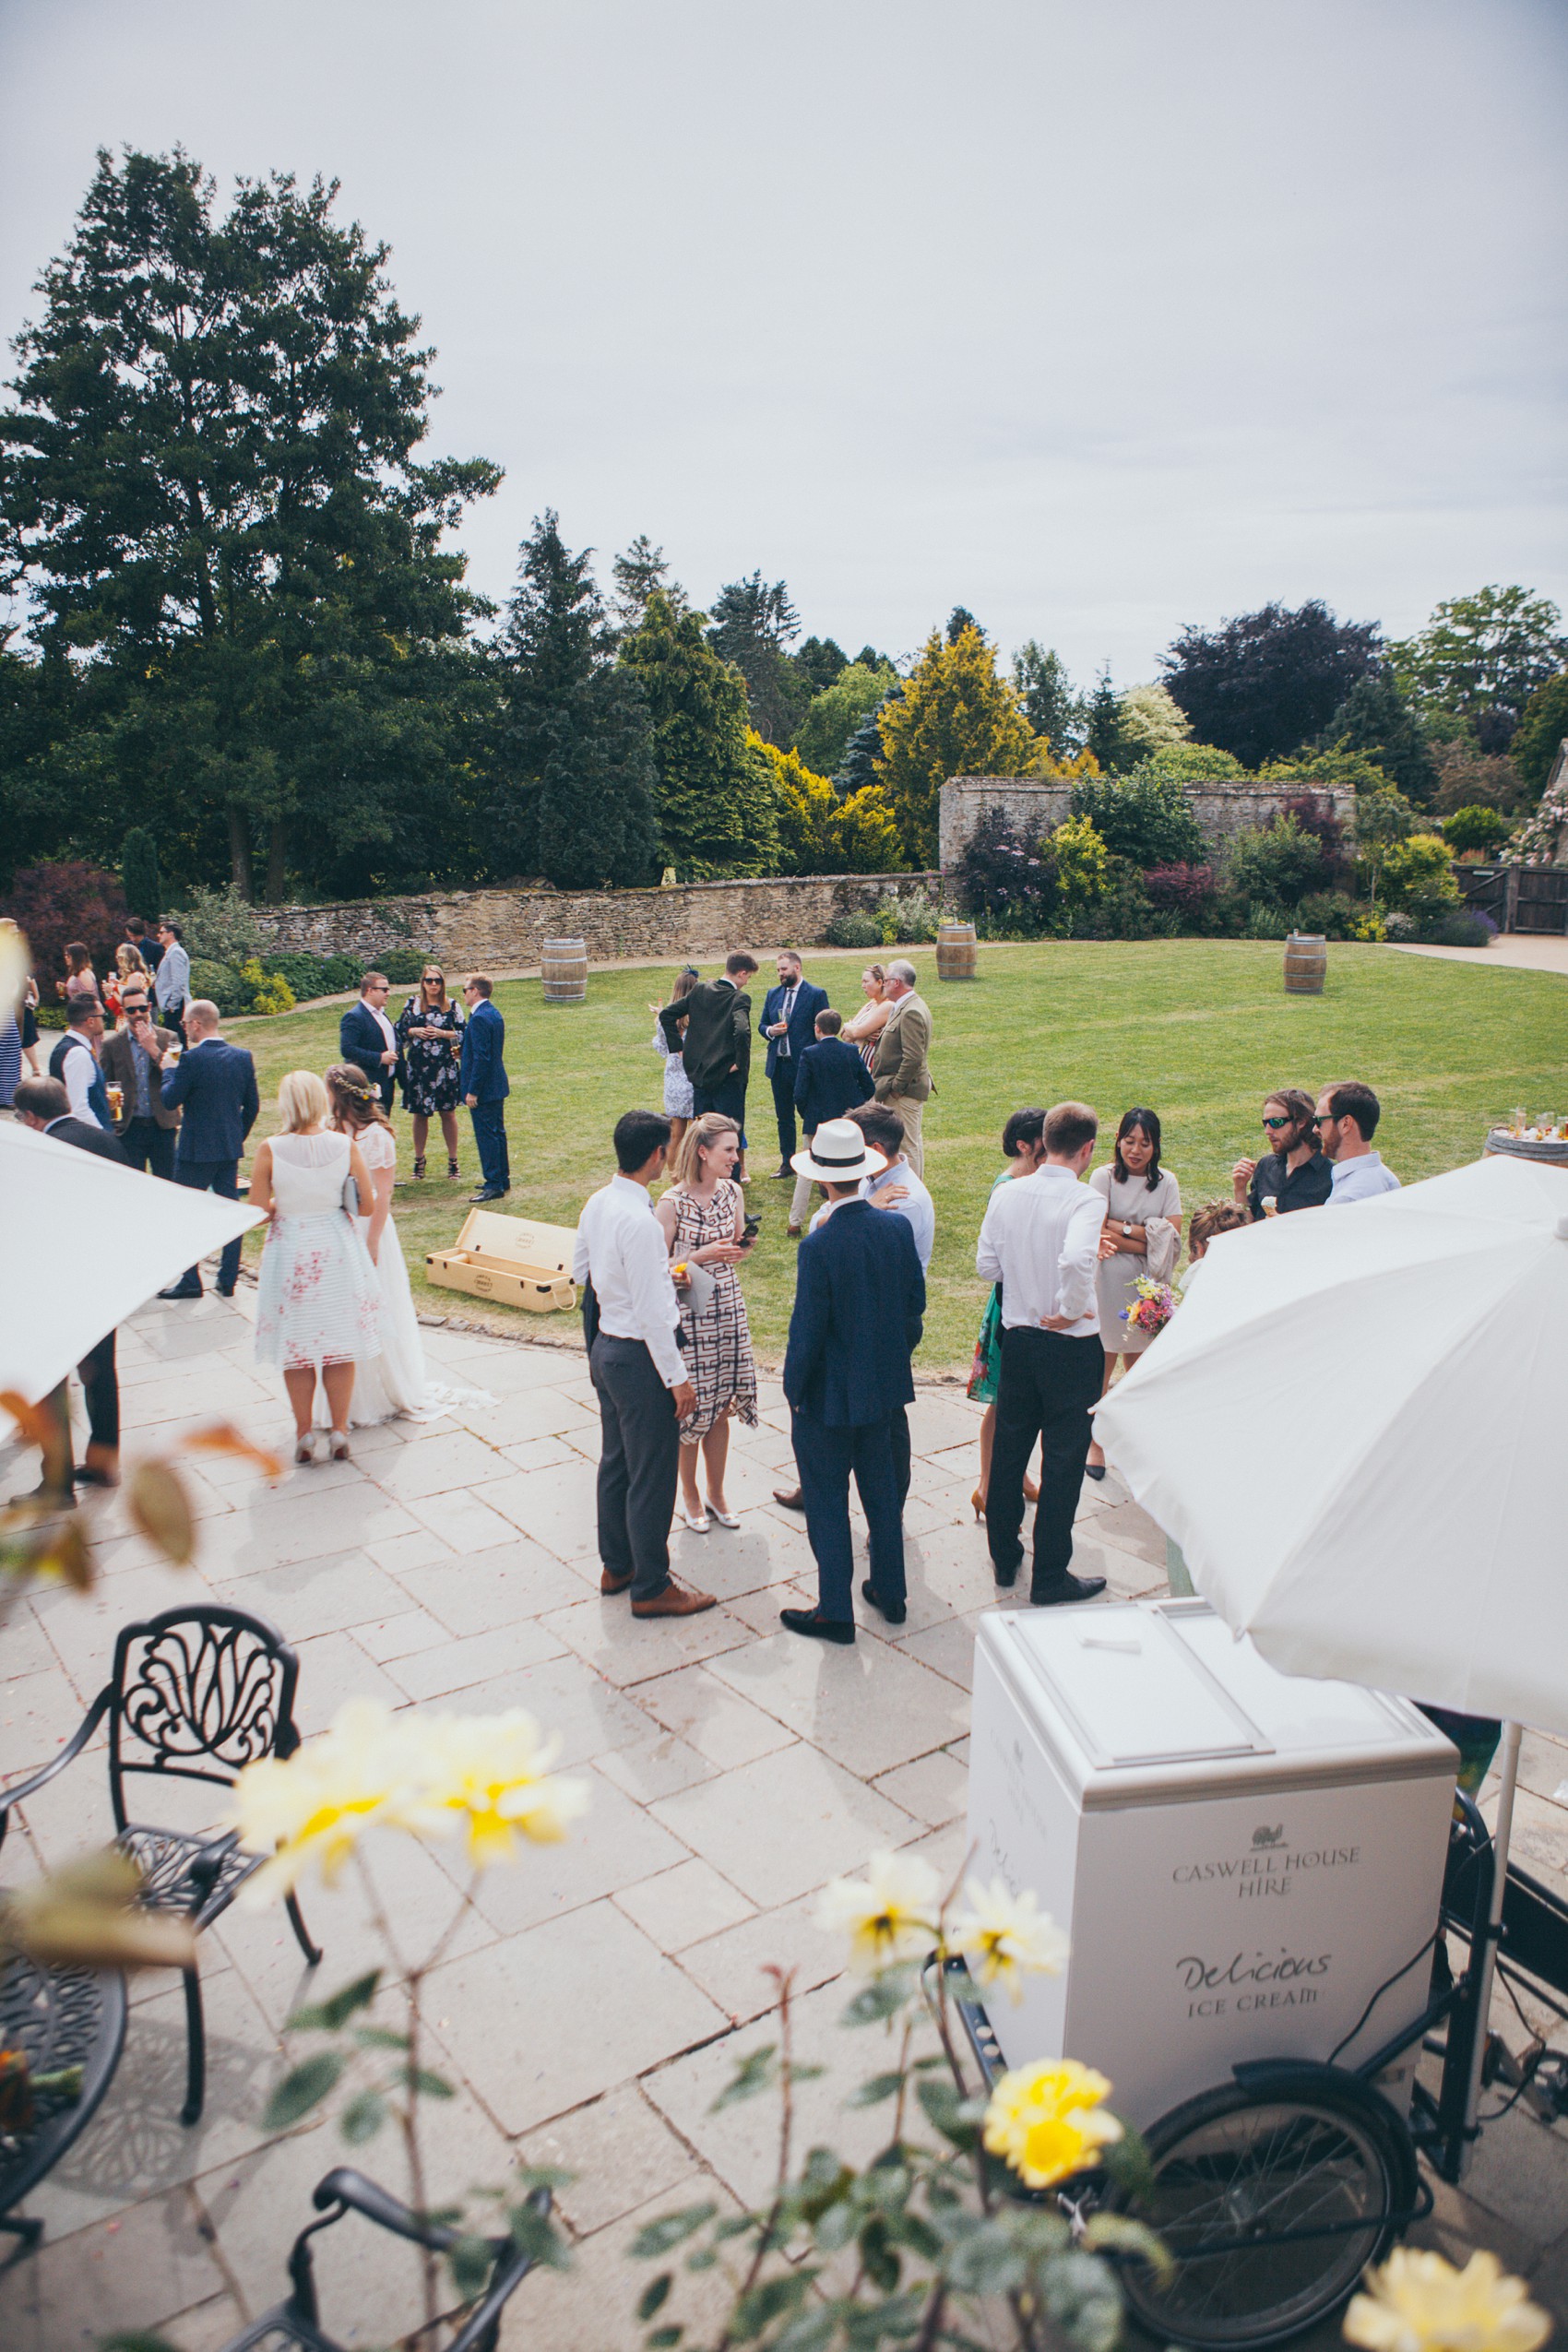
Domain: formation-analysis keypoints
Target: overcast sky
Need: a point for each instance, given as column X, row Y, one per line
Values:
column 1095, row 318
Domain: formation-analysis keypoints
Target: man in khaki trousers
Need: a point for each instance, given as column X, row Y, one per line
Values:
column 901, row 1072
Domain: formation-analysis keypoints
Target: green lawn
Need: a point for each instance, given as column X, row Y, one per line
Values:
column 1198, row 1029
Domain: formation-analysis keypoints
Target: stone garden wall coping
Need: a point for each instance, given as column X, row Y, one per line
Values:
column 1221, row 809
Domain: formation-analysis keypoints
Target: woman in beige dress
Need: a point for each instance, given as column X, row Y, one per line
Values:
column 1142, row 1236
column 863, row 1028
column 703, row 1218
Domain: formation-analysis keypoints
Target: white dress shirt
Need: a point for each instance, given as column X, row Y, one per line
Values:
column 1361, row 1179
column 1040, row 1241
column 919, row 1211
column 784, row 1011
column 387, row 1031
column 622, row 1250
column 77, row 1071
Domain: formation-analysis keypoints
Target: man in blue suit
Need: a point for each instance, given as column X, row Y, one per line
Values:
column 366, row 1037
column 788, row 1023
column 860, row 1303
column 214, row 1086
column 481, row 1076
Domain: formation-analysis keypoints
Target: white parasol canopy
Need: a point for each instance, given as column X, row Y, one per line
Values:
column 1355, row 1430
column 83, row 1244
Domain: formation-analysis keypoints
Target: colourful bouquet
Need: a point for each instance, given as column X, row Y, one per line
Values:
column 1152, row 1310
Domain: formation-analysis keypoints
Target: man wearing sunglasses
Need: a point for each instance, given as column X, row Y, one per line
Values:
column 1293, row 1173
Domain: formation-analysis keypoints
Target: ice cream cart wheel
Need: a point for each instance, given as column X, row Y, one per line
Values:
column 1272, row 2198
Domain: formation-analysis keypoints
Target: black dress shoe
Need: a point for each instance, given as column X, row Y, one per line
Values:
column 894, row 1611
column 784, row 1175
column 1065, row 1588
column 1005, row 1576
column 225, row 1290
column 1094, row 1469
column 181, row 1290
column 499, row 1193
column 822, row 1628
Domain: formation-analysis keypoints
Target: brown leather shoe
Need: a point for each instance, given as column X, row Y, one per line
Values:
column 789, row 1496
column 611, row 1582
column 673, row 1601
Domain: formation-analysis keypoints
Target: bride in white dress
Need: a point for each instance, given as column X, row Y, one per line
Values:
column 394, row 1381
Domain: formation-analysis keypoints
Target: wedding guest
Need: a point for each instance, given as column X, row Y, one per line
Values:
column 43, row 1104
column 1040, row 1241
column 901, row 1072
column 1204, row 1226
column 484, row 1086
column 318, row 1307
column 1292, row 1173
column 213, row 1085
column 678, row 1102
column 830, row 1079
column 28, row 1021
column 75, row 1062
column 392, row 1379
column 896, row 1188
column 146, row 1128
column 632, row 1321
column 366, row 1037
column 863, row 1027
column 80, row 979
column 171, row 979
column 144, row 941
column 717, row 1051
column 1140, row 1240
column 860, row 1301
column 429, row 1039
column 1023, row 1147
column 703, row 1218
column 1346, row 1122
column 129, row 967
column 788, row 1016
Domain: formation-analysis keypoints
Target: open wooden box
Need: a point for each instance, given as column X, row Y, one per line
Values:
column 511, row 1259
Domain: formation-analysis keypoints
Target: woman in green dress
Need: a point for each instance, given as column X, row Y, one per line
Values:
column 1023, row 1147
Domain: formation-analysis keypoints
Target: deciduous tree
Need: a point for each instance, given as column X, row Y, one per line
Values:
column 955, row 718
column 1375, row 720
column 832, row 717
column 1540, row 733
column 1263, row 684
column 1480, row 658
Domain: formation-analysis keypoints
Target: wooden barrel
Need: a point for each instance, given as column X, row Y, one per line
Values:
column 1306, row 961
column 564, row 969
column 955, row 951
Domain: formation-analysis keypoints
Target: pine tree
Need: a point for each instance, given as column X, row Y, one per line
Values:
column 1053, row 709
column 579, row 743
column 139, row 878
column 863, row 754
column 714, row 803
column 955, row 718
column 1374, row 718
column 1103, row 732
column 637, row 573
column 753, row 624
column 961, row 619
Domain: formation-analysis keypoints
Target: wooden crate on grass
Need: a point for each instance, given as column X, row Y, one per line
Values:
column 509, row 1258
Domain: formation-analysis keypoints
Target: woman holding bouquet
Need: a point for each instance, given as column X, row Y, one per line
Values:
column 1141, row 1241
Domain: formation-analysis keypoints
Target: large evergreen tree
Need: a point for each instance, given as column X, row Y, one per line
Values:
column 1045, row 690
column 211, row 488
column 636, row 574
column 754, row 626
column 863, row 752
column 1262, row 686
column 955, row 718
column 578, row 747
column 714, row 801
column 1375, row 720
column 1105, row 734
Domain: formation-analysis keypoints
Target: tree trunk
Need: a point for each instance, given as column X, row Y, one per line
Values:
column 240, row 850
column 277, row 860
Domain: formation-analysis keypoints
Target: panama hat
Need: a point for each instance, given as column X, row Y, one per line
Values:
column 839, row 1154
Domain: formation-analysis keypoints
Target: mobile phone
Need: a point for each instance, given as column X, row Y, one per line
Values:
column 749, row 1231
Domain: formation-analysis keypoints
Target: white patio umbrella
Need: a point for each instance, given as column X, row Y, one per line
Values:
column 83, row 1244
column 1355, row 1430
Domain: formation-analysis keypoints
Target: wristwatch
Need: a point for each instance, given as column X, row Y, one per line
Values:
column 1126, row 1231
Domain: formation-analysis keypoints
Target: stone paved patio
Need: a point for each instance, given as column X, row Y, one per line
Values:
column 594, row 1999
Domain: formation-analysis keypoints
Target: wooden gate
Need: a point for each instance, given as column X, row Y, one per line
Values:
column 1540, row 898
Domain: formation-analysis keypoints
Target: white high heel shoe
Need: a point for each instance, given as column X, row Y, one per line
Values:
column 725, row 1518
column 698, row 1525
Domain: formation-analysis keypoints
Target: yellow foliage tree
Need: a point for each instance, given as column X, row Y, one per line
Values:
column 955, row 718
column 806, row 805
column 1083, row 763
column 865, row 832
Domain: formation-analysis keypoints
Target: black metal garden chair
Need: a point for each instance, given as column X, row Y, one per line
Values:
column 296, row 2321
column 194, row 1694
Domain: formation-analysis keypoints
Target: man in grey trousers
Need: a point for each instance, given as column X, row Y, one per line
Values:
column 631, row 1320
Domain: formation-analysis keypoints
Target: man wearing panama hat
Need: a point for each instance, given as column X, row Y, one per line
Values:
column 860, row 1299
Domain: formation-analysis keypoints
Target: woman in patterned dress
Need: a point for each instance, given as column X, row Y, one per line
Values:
column 679, row 1101
column 429, row 1034
column 317, row 1306
column 703, row 1216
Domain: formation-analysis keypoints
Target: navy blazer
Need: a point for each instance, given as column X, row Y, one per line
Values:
column 860, row 1301
column 483, row 1070
column 809, row 1003
column 360, row 1040
column 831, row 1079
column 214, row 1084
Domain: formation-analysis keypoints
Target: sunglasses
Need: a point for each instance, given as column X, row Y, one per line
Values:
column 1275, row 1124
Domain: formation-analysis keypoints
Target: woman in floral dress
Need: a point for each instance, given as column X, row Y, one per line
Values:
column 703, row 1216
column 429, row 1033
column 318, row 1305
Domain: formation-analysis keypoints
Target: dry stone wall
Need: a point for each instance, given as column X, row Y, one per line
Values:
column 1221, row 810
column 470, row 930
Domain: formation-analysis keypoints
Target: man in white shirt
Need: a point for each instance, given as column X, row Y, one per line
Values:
column 75, row 1062
column 1347, row 1121
column 172, row 980
column 636, row 1367
column 1041, row 1242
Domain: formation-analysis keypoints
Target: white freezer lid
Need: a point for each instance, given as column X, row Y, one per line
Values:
column 1164, row 1686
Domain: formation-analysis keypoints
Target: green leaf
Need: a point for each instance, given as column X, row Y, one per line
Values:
column 1126, row 2161
column 542, row 2175
column 882, row 2262
column 425, row 2085
column 735, row 2225
column 305, row 2088
column 879, row 2088
column 533, row 2233
column 954, row 2116
column 703, row 2258
column 768, row 2301
column 657, row 2238
column 1123, row 2235
column 379, row 2038
column 899, row 2317
column 472, row 2261
column 755, row 2074
column 664, row 2338
column 885, row 1996
column 811, row 2331
column 136, row 2340
column 362, row 2117
column 984, row 2260
column 330, row 2015
column 838, row 2225
column 655, row 2295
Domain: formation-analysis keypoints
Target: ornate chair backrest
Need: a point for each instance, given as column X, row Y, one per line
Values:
column 195, row 1694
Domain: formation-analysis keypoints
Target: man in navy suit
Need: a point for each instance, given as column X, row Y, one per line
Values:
column 788, row 1023
column 214, row 1085
column 482, row 1077
column 860, row 1304
column 366, row 1037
